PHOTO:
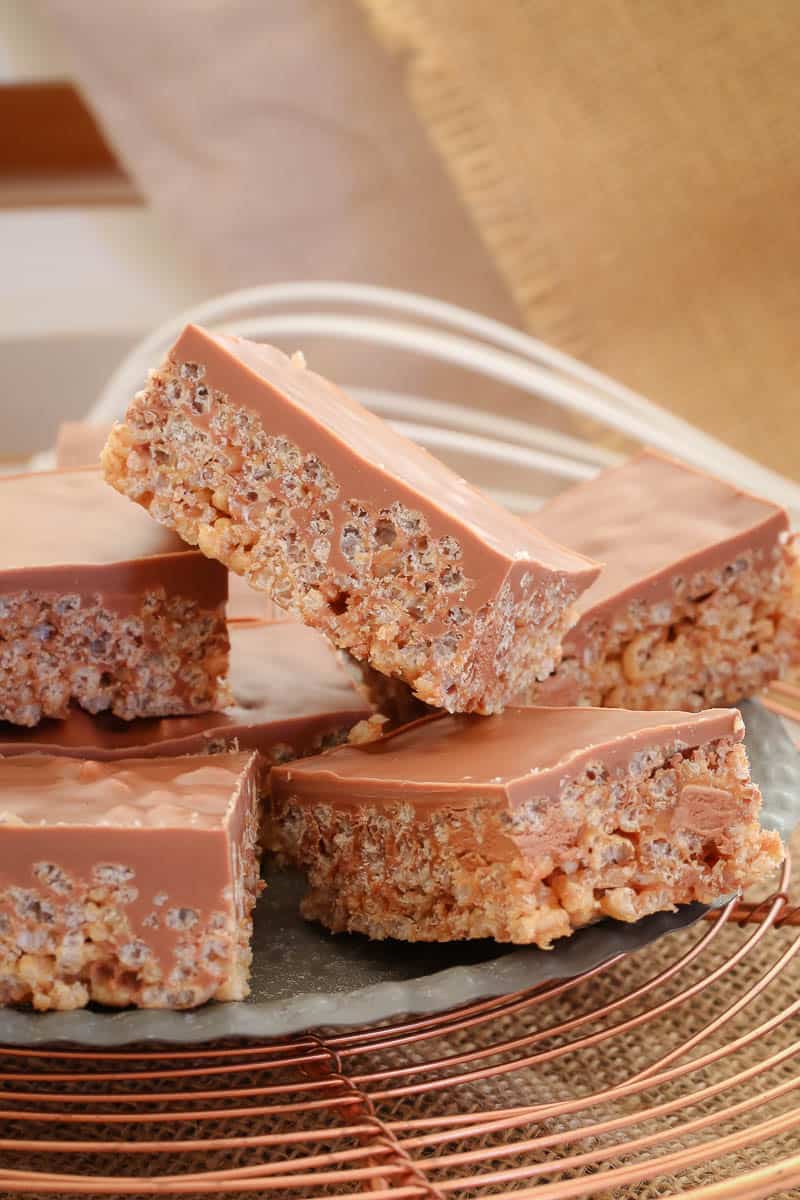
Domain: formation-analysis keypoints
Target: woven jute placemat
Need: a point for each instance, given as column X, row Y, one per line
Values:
column 633, row 167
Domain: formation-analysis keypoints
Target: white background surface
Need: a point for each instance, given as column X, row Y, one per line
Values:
column 78, row 286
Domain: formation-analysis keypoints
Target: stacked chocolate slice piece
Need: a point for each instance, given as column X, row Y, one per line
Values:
column 128, row 870
column 569, row 764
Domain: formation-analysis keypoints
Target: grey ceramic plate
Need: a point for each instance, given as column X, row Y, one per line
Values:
column 305, row 978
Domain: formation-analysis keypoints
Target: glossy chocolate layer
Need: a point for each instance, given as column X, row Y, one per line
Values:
column 370, row 461
column 68, row 532
column 157, row 793
column 650, row 520
column 288, row 684
column 519, row 754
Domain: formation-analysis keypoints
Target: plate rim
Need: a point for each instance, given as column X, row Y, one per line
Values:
column 441, row 991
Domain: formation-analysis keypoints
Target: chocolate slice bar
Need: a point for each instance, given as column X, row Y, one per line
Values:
column 130, row 883
column 695, row 605
column 317, row 502
column 291, row 696
column 525, row 825
column 100, row 606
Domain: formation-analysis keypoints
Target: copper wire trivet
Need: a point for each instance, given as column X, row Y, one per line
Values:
column 419, row 1108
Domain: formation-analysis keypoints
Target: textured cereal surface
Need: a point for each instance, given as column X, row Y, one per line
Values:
column 168, row 658
column 624, row 851
column 721, row 638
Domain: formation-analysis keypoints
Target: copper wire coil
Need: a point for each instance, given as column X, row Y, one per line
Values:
column 414, row 1108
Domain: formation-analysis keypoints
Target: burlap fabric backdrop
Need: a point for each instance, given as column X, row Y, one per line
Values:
column 633, row 167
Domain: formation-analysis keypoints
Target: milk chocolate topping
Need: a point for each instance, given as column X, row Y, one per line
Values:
column 652, row 519
column 517, row 754
column 69, row 532
column 369, row 459
column 288, row 687
column 157, row 793
column 65, row 517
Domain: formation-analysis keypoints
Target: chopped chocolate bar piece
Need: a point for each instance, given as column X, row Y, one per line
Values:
column 100, row 606
column 523, row 826
column 79, row 444
column 695, row 605
column 130, row 883
column 345, row 523
column 292, row 696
